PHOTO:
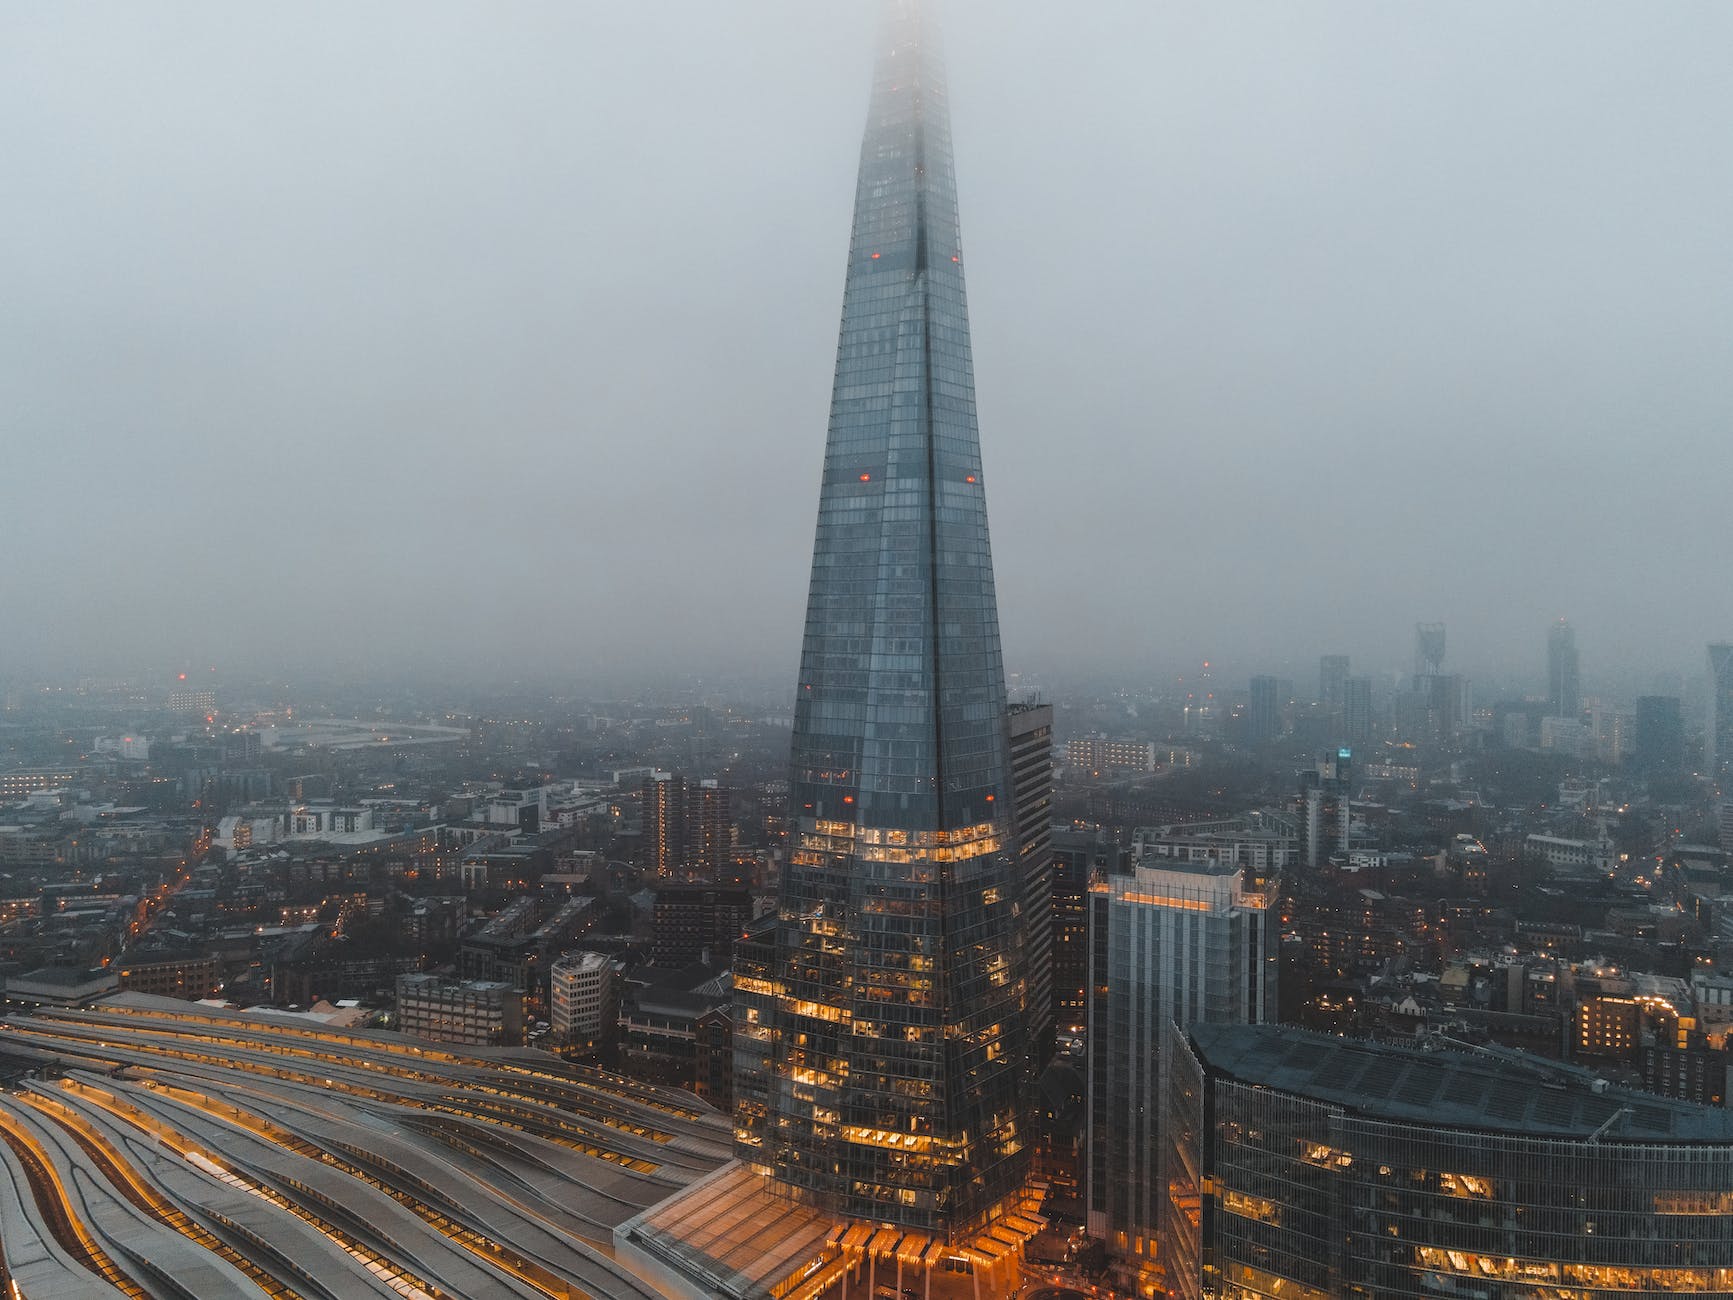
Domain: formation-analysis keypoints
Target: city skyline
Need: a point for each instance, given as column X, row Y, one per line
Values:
column 414, row 409
column 415, row 340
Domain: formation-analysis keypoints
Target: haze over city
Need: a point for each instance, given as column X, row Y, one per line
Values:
column 445, row 337
column 1289, row 853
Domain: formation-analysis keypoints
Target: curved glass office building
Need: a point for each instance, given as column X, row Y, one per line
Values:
column 1304, row 1165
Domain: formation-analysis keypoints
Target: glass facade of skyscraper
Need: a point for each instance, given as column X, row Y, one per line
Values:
column 888, row 1000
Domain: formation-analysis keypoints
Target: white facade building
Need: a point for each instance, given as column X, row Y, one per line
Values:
column 1167, row 945
column 585, row 998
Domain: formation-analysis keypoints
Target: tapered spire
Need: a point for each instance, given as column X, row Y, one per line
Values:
column 883, row 1044
column 902, row 688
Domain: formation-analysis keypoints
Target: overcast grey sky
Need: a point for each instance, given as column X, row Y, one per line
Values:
column 492, row 333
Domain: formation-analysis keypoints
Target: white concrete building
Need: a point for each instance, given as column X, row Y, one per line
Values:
column 585, row 998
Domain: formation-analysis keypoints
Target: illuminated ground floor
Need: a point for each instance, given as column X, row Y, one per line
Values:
column 730, row 1236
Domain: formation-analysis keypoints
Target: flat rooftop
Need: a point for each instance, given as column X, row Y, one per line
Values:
column 730, row 1235
column 1496, row 1090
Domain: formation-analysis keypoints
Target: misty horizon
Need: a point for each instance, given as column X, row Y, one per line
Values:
column 484, row 341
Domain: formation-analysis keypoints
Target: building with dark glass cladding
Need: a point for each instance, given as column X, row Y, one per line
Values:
column 1659, row 748
column 1563, row 675
column 1307, row 1166
column 891, row 992
column 1029, row 734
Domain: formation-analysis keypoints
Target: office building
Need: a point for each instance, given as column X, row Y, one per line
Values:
column 189, row 977
column 1079, row 857
column 1429, row 643
column 23, row 782
column 475, row 1013
column 1612, row 732
column 584, row 1000
column 1441, row 704
column 1264, row 718
column 1333, row 681
column 1563, row 686
column 1449, row 703
column 1097, row 754
column 1306, row 1166
column 1167, row 945
column 1607, row 1027
column 893, row 1015
column 1659, row 745
column 192, row 702
column 1029, row 737
column 1720, row 729
column 1266, row 841
column 1357, row 711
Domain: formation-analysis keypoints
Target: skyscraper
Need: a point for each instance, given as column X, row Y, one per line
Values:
column 1178, row 944
column 1428, row 650
column 1357, row 710
column 1563, row 688
column 1660, row 740
column 1720, row 707
column 1029, row 733
column 1332, row 680
column 1264, row 720
column 1324, row 805
column 893, row 1009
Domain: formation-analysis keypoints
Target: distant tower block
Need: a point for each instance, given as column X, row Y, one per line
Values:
column 1720, row 729
column 1428, row 649
column 1332, row 680
column 1563, row 674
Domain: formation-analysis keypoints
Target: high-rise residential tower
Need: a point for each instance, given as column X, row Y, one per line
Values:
column 1720, row 731
column 892, row 1005
column 1563, row 683
column 1332, row 680
column 1264, row 719
column 684, row 827
column 1357, row 710
column 1175, row 944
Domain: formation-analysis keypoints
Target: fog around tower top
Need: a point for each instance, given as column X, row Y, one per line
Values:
column 459, row 337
